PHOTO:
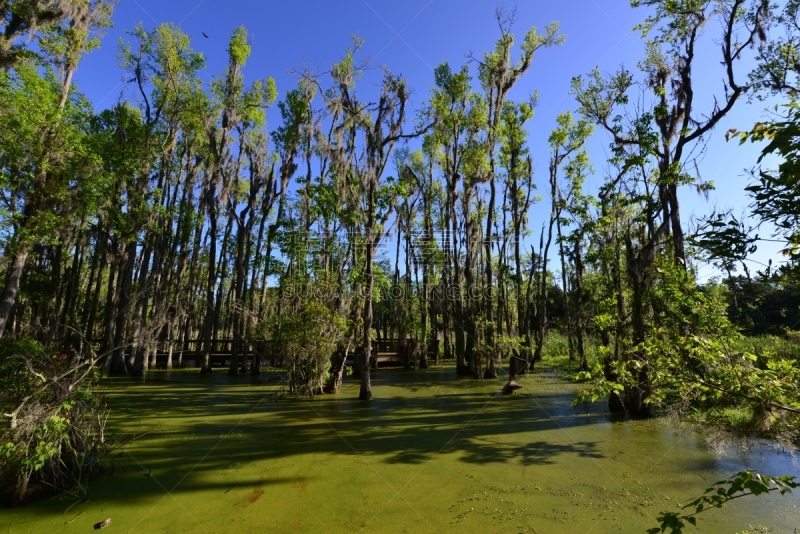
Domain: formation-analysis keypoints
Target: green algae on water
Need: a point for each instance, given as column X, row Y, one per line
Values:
column 429, row 453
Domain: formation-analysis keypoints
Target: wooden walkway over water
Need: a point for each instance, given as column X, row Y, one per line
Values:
column 384, row 352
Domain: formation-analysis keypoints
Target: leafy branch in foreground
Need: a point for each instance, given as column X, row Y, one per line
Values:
column 741, row 484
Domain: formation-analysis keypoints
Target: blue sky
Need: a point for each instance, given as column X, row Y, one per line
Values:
column 412, row 37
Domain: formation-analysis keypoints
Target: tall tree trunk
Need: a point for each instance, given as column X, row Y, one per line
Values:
column 92, row 297
column 568, row 308
column 118, row 365
column 491, row 371
column 11, row 288
column 639, row 263
column 578, row 258
column 208, row 323
column 365, row 393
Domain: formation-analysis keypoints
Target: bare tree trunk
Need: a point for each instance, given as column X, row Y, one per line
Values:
column 570, row 331
column 118, row 365
column 491, row 371
column 92, row 296
column 11, row 289
column 578, row 258
column 365, row 392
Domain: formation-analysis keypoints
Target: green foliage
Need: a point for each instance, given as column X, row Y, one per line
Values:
column 66, row 42
column 63, row 30
column 556, row 354
column 459, row 110
column 233, row 103
column 741, row 484
column 570, row 134
column 724, row 239
column 295, row 112
column 673, row 21
column 778, row 67
column 307, row 338
column 776, row 194
column 700, row 366
column 597, row 95
column 175, row 69
column 47, row 166
column 255, row 101
column 238, row 47
column 345, row 72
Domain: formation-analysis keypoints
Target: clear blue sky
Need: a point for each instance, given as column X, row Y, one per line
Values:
column 412, row 37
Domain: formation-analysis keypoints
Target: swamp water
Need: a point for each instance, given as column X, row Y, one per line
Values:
column 429, row 454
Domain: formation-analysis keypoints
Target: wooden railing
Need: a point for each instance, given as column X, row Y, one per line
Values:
column 398, row 351
column 386, row 351
column 191, row 352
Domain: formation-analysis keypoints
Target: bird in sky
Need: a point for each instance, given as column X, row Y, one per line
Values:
column 204, row 35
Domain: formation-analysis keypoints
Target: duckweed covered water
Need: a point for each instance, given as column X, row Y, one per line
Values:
column 429, row 454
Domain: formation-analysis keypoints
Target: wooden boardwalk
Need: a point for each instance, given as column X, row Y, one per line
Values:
column 398, row 352
column 191, row 354
column 384, row 352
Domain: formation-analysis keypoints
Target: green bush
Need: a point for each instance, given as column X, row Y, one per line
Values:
column 307, row 339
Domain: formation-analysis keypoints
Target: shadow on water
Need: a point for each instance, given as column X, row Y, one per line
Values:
column 414, row 417
column 426, row 451
column 407, row 422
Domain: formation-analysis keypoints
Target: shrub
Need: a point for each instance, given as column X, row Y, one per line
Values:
column 306, row 339
column 52, row 420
